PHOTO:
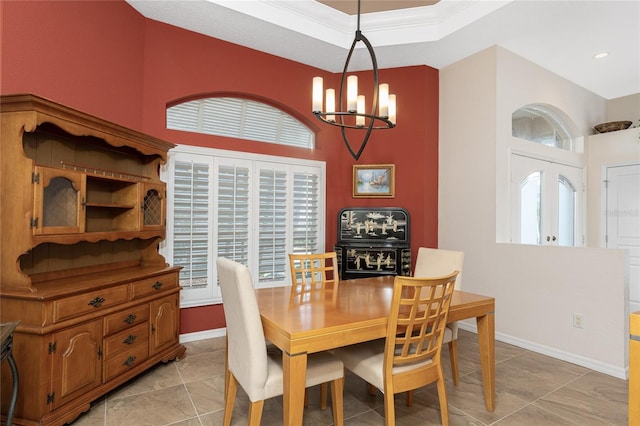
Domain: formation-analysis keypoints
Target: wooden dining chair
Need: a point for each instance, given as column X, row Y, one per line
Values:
column 409, row 356
column 249, row 364
column 314, row 271
column 312, row 274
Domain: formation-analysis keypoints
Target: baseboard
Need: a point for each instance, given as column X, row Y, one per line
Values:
column 601, row 367
column 201, row 335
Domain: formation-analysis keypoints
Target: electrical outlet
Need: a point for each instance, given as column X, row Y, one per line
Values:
column 578, row 320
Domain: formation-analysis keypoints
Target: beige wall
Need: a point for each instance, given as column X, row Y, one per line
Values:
column 624, row 108
column 537, row 288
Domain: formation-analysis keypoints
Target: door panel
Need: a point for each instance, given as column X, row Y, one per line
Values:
column 623, row 221
column 546, row 202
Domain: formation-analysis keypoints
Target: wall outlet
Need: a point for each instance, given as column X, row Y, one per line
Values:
column 578, row 320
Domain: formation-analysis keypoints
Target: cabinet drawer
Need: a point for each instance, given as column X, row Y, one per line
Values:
column 88, row 302
column 126, row 339
column 127, row 318
column 145, row 287
column 125, row 360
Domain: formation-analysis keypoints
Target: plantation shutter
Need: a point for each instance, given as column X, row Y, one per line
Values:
column 272, row 224
column 232, row 208
column 306, row 212
column 191, row 223
column 253, row 209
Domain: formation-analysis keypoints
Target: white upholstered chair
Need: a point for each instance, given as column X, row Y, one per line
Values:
column 248, row 363
column 434, row 263
column 409, row 357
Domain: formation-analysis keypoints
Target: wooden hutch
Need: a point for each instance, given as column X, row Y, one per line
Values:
column 82, row 212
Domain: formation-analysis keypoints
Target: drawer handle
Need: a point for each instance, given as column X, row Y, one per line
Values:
column 129, row 361
column 129, row 340
column 97, row 302
column 130, row 319
column 157, row 285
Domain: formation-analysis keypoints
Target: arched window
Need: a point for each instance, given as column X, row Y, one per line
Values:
column 542, row 124
column 240, row 118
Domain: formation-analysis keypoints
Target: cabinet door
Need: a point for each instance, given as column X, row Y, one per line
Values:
column 59, row 201
column 153, row 206
column 164, row 323
column 77, row 363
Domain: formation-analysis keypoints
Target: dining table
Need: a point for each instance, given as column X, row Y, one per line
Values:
column 355, row 311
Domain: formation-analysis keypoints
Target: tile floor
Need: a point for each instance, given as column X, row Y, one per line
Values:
column 532, row 389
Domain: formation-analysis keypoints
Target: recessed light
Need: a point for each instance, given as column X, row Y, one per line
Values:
column 600, row 55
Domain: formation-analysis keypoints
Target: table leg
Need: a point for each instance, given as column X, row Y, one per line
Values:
column 487, row 342
column 295, row 370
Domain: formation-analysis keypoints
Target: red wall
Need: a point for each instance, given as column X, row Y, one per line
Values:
column 106, row 59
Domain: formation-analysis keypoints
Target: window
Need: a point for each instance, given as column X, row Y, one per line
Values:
column 253, row 209
column 240, row 118
column 542, row 124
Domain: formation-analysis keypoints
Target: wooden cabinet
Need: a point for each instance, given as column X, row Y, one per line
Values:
column 83, row 213
column 164, row 327
column 76, row 360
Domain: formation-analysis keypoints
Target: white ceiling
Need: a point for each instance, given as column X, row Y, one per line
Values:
column 561, row 36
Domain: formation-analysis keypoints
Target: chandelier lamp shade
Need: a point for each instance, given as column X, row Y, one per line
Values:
column 352, row 112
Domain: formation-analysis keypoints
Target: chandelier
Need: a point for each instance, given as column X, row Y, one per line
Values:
column 353, row 114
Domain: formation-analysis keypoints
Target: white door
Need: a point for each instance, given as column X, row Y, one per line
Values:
column 546, row 202
column 623, row 221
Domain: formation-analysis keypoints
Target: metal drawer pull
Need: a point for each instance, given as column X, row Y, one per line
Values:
column 129, row 340
column 97, row 302
column 129, row 361
column 130, row 319
column 157, row 285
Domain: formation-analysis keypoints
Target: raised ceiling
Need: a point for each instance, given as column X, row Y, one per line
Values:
column 561, row 36
column 369, row 6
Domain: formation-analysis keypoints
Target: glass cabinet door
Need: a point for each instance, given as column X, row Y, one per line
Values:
column 59, row 201
column 153, row 211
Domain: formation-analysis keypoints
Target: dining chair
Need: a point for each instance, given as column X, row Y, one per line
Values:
column 315, row 271
column 249, row 364
column 409, row 357
column 434, row 263
column 312, row 274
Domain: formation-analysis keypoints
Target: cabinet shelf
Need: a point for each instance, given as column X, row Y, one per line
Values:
column 93, row 237
column 110, row 206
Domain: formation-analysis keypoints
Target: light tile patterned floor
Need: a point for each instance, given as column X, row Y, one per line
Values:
column 532, row 389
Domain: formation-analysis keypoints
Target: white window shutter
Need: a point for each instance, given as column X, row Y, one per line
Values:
column 253, row 209
column 306, row 217
column 232, row 209
column 273, row 232
column 190, row 230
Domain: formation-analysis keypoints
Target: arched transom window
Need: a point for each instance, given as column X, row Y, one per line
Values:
column 543, row 125
column 240, row 118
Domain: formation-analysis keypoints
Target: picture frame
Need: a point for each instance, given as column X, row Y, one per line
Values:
column 374, row 181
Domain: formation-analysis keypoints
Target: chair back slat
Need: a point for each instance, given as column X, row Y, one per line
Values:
column 417, row 319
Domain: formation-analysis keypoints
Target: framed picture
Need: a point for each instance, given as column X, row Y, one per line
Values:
column 374, row 181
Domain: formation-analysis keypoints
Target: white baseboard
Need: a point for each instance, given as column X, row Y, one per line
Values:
column 201, row 335
column 611, row 370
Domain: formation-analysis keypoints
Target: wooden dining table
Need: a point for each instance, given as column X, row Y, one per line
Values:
column 356, row 312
